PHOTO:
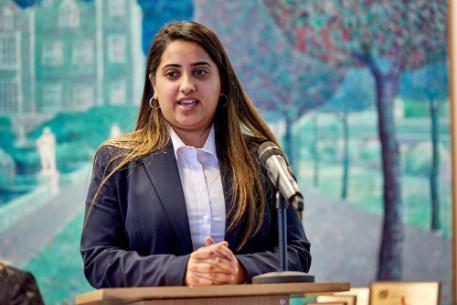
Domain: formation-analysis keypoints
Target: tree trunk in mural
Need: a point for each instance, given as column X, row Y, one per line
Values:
column 345, row 179
column 389, row 264
column 434, row 172
column 288, row 141
column 315, row 151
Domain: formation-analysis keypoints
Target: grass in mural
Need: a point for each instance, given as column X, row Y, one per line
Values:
column 58, row 267
column 365, row 191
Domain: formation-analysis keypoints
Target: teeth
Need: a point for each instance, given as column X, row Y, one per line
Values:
column 187, row 102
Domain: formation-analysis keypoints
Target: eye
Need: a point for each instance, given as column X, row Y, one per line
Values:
column 171, row 74
column 200, row 73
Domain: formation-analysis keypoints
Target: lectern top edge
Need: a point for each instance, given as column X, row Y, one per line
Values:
column 101, row 296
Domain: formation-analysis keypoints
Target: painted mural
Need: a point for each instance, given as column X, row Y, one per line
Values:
column 356, row 91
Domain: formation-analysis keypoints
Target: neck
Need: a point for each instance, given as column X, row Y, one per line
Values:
column 193, row 138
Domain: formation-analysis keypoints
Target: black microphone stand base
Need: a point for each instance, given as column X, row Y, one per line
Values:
column 283, row 277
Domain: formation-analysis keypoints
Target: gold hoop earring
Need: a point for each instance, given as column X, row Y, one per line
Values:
column 225, row 102
column 154, row 100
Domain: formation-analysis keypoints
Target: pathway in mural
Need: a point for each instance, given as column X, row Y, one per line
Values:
column 24, row 239
column 345, row 242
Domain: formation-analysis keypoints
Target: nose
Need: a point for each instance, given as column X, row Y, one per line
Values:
column 187, row 84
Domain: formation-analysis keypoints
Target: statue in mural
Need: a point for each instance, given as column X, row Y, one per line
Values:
column 115, row 131
column 46, row 145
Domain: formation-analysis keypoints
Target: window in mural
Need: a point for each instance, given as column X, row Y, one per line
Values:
column 116, row 48
column 83, row 97
column 69, row 14
column 52, row 53
column 9, row 96
column 116, row 8
column 7, row 19
column 118, row 92
column 9, row 50
column 51, row 97
column 83, row 52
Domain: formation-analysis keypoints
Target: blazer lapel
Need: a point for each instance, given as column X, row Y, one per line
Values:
column 162, row 171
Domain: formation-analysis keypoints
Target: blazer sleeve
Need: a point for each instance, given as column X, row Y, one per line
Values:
column 108, row 260
column 298, row 249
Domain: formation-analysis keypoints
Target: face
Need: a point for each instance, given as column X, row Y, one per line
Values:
column 187, row 85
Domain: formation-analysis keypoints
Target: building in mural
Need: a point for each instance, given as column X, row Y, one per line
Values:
column 66, row 55
column 16, row 59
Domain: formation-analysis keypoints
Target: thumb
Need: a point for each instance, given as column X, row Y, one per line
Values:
column 209, row 241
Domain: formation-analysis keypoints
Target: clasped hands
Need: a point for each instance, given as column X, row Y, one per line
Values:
column 214, row 264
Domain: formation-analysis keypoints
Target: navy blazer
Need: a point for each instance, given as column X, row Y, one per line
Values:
column 137, row 233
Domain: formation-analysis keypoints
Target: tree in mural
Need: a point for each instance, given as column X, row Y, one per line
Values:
column 430, row 85
column 355, row 94
column 277, row 78
column 388, row 37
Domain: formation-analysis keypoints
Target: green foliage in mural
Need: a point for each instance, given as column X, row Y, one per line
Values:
column 78, row 134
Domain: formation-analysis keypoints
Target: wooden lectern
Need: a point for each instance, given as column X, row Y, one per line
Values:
column 258, row 294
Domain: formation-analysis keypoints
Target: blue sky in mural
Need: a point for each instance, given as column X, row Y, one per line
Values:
column 158, row 13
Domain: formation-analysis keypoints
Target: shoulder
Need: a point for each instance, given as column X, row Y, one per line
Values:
column 109, row 159
column 112, row 157
column 107, row 153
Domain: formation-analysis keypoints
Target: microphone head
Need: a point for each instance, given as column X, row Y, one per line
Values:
column 268, row 149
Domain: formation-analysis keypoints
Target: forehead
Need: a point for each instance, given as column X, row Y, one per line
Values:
column 183, row 52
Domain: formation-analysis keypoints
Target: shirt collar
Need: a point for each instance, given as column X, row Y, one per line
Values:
column 209, row 147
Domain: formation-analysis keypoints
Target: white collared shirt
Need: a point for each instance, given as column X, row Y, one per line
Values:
column 202, row 185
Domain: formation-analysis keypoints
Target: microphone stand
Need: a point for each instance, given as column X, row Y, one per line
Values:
column 282, row 276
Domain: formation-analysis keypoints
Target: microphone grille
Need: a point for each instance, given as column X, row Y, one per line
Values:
column 268, row 149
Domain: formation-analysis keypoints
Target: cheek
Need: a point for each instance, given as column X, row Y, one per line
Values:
column 166, row 92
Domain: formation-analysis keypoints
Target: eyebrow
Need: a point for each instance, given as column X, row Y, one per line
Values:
column 198, row 63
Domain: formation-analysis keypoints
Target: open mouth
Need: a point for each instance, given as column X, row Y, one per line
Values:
column 188, row 102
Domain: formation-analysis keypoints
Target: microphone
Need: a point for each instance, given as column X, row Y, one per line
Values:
column 273, row 160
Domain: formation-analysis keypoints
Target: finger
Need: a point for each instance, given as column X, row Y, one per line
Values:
column 213, row 265
column 211, row 251
column 199, row 279
column 226, row 252
column 221, row 249
column 209, row 241
column 218, row 261
column 214, row 278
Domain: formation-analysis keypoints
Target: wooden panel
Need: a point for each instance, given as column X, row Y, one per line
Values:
column 347, row 299
column 325, row 303
column 255, row 300
column 128, row 295
column 393, row 293
column 362, row 294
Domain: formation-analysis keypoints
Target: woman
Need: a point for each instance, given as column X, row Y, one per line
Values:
column 181, row 200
